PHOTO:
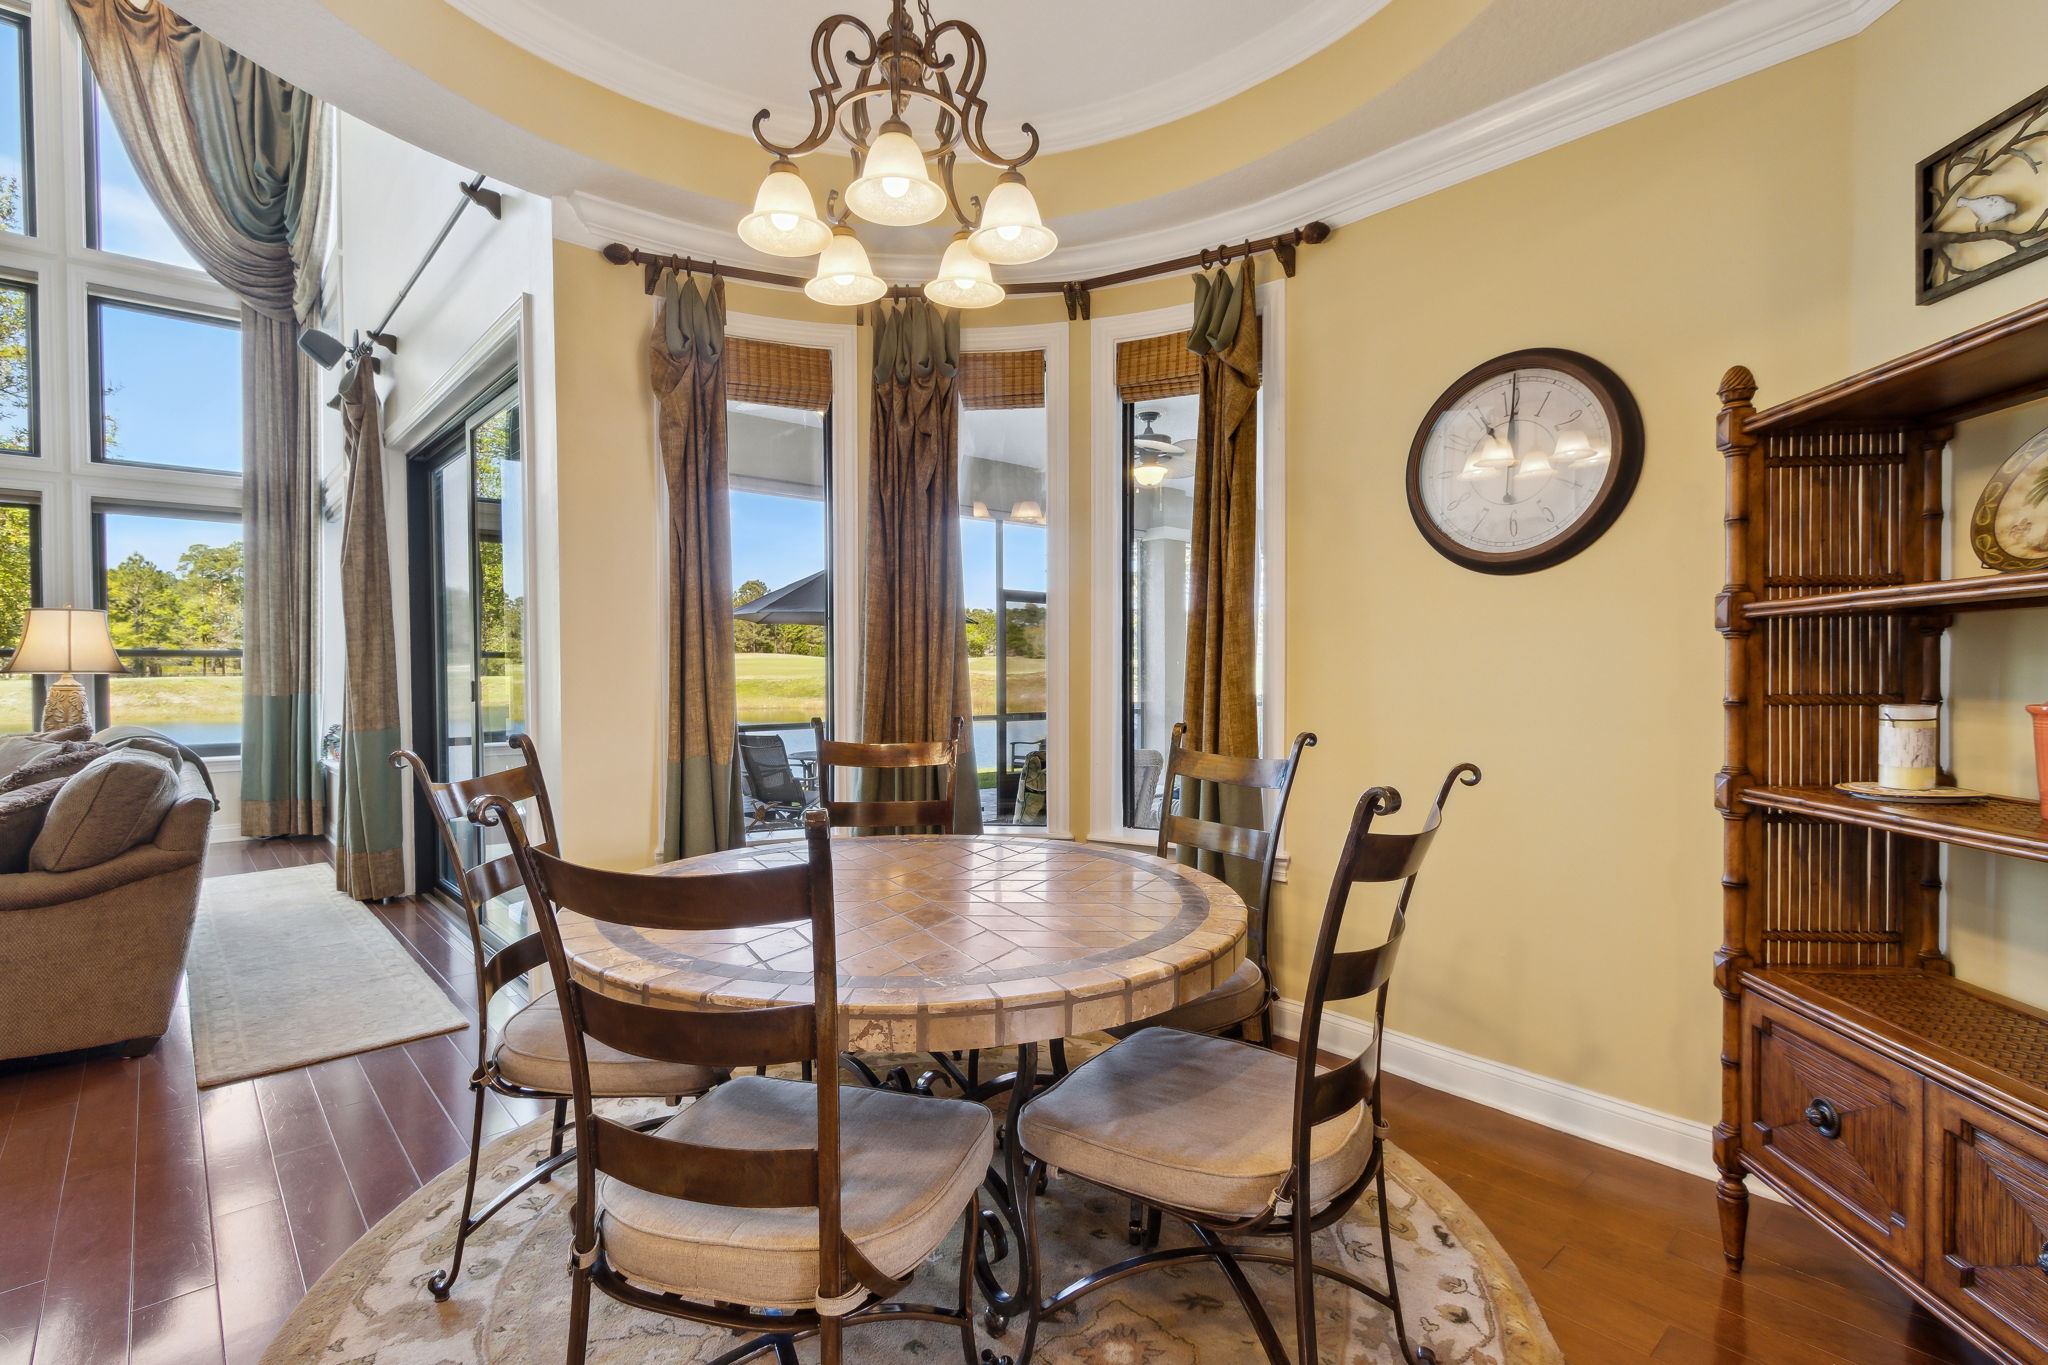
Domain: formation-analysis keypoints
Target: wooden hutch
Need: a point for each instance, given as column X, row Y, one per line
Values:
column 1904, row 1109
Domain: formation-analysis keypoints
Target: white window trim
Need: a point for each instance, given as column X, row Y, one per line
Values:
column 848, row 503
column 1105, row 804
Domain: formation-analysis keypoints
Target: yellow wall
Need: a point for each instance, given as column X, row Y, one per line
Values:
column 1568, row 919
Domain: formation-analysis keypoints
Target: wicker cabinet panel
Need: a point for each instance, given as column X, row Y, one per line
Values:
column 1837, row 1125
column 1987, row 1251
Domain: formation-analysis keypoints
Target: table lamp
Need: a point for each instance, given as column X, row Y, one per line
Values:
column 65, row 641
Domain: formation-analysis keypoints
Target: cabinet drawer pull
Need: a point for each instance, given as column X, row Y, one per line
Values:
column 1827, row 1121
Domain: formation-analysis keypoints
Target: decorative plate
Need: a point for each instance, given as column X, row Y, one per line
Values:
column 1871, row 791
column 2009, row 529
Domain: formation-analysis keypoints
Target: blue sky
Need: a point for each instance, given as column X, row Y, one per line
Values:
column 129, row 222
column 162, row 539
column 176, row 387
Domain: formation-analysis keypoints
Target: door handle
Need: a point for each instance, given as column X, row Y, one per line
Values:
column 1825, row 1118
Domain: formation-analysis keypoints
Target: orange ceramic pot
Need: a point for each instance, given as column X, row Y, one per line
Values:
column 2040, row 715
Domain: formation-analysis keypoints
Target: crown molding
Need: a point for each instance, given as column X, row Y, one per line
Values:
column 1247, row 60
column 1737, row 40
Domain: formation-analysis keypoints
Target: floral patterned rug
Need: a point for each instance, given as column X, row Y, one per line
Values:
column 1463, row 1297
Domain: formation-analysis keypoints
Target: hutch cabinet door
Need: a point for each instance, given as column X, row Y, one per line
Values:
column 1835, row 1124
column 1987, row 1251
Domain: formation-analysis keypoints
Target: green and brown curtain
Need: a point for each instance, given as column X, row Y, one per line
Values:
column 236, row 159
column 686, row 364
column 914, row 670
column 369, row 838
column 1222, row 704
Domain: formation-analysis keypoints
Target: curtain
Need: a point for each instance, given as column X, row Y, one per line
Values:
column 915, row 667
column 236, row 160
column 1221, row 706
column 686, row 364
column 369, row 852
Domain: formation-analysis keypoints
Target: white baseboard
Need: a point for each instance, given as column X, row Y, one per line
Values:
column 1620, row 1124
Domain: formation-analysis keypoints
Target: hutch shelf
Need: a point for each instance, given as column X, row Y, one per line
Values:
column 1904, row 1109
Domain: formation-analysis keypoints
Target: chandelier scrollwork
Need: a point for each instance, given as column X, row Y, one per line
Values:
column 940, row 64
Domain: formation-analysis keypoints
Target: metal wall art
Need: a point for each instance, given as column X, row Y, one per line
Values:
column 1984, row 201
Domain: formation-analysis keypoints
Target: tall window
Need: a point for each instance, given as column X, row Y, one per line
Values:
column 120, row 485
column 1160, row 456
column 172, row 586
column 778, row 425
column 1003, row 546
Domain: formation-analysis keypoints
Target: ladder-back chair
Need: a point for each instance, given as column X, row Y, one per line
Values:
column 525, row 1057
column 929, row 813
column 1260, row 1145
column 771, row 1206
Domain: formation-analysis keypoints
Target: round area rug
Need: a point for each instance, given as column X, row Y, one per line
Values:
column 1463, row 1296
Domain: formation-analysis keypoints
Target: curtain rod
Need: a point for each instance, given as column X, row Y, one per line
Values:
column 1074, row 292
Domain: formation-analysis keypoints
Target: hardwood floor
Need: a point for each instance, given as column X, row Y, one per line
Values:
column 143, row 1220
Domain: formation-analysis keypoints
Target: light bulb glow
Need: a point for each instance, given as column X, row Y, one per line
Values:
column 894, row 188
column 964, row 279
column 785, row 219
column 844, row 276
column 1011, row 231
column 1148, row 473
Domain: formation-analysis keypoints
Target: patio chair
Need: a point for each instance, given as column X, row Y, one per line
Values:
column 777, row 796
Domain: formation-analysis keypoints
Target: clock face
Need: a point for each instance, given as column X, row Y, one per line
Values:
column 1524, row 461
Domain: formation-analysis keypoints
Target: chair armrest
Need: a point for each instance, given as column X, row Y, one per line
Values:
column 31, row 890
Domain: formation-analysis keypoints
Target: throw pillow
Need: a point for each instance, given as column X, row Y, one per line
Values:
column 21, row 820
column 57, row 760
column 17, row 750
column 116, row 802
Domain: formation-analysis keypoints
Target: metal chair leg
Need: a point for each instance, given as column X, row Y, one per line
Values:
column 555, row 1137
column 1394, row 1280
column 1262, row 1323
column 444, row 1280
column 1305, row 1287
column 579, row 1315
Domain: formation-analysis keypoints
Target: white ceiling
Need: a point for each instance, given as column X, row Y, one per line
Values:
column 1081, row 71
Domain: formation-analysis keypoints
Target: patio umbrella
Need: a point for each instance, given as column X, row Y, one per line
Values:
column 802, row 603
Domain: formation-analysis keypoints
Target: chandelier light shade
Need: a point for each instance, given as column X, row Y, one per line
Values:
column 964, row 279
column 1149, row 471
column 844, row 276
column 894, row 188
column 785, row 219
column 866, row 79
column 1011, row 232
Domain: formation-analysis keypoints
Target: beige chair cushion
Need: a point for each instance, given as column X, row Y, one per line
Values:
column 1190, row 1122
column 114, row 803
column 1233, row 1002
column 908, row 1166
column 533, row 1052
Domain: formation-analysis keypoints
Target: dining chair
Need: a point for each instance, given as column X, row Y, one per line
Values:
column 526, row 1057
column 1240, row 1141
column 1248, row 994
column 772, row 1206
column 922, row 813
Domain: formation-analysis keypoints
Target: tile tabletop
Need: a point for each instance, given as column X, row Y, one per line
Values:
column 949, row 942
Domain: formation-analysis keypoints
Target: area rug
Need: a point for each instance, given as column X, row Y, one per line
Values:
column 1463, row 1296
column 286, row 971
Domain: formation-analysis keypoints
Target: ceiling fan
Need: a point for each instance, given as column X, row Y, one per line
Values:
column 1160, row 457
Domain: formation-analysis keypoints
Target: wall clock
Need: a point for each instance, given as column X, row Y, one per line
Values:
column 1525, row 461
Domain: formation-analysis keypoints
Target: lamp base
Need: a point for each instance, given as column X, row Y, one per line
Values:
column 64, row 704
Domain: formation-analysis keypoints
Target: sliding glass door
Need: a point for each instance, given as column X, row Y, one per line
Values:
column 468, row 514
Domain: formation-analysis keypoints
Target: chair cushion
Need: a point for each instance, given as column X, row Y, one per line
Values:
column 22, row 812
column 54, row 760
column 1191, row 1122
column 15, row 750
column 908, row 1166
column 533, row 1052
column 1233, row 1002
column 114, row 803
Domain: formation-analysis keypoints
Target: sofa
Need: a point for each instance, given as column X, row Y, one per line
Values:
column 102, row 845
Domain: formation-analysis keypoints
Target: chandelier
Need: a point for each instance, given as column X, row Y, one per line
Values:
column 894, row 184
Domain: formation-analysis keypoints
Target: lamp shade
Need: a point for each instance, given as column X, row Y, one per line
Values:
column 65, row 640
column 964, row 280
column 785, row 219
column 844, row 276
column 1011, row 232
column 1149, row 471
column 894, row 188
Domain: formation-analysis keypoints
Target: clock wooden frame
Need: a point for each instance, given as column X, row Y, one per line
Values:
column 1625, row 461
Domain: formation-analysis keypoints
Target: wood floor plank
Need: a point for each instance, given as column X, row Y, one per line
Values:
column 31, row 1187
column 21, row 1308
column 239, row 1171
column 320, row 1206
column 430, row 1140
column 374, row 1160
column 259, row 1278
column 180, row 1331
column 87, row 1296
column 173, row 1234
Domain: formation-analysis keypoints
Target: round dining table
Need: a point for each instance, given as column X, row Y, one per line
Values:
column 949, row 943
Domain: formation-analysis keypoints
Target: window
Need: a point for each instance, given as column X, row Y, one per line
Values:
column 167, row 386
column 119, row 214
column 171, row 582
column 17, row 194
column 779, row 499
column 1003, row 546
column 20, row 533
column 1158, row 527
column 17, row 368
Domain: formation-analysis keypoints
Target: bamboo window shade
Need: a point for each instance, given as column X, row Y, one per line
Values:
column 1157, row 367
column 778, row 374
column 1002, row 379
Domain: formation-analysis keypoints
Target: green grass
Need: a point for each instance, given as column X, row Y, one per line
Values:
column 783, row 689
